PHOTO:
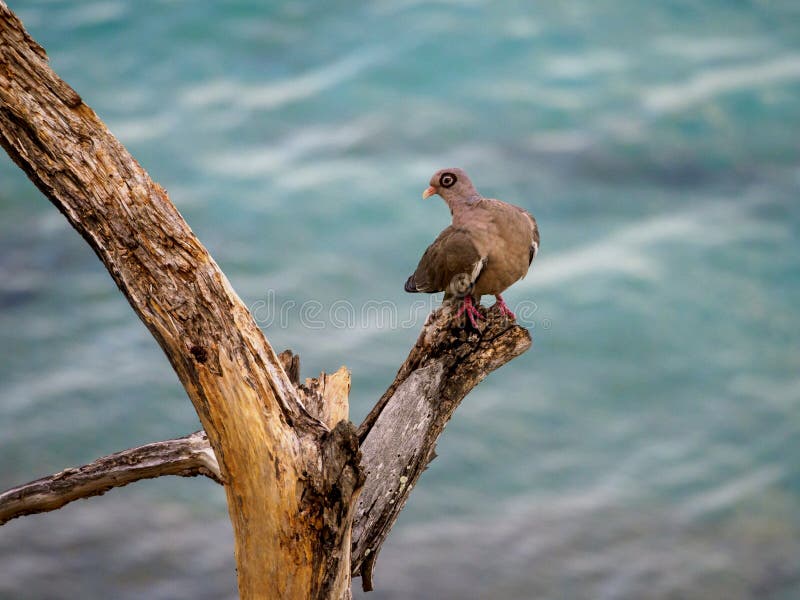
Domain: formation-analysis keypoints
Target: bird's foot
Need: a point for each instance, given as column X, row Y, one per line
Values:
column 503, row 308
column 468, row 307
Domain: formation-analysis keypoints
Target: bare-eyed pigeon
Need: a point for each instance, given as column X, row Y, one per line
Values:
column 489, row 246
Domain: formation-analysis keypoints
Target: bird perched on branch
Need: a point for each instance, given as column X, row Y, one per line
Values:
column 489, row 246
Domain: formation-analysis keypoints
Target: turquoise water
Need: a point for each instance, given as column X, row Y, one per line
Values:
column 647, row 446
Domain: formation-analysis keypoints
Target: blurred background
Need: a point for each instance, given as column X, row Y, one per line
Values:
column 647, row 447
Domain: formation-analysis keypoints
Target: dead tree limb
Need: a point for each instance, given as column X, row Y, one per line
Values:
column 187, row 456
column 291, row 481
column 289, row 458
column 399, row 435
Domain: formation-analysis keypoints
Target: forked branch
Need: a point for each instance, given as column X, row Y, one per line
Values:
column 289, row 458
column 398, row 436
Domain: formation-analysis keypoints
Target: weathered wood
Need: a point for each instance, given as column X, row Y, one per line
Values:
column 268, row 446
column 193, row 455
column 399, row 435
column 291, row 364
column 289, row 459
column 188, row 456
column 326, row 396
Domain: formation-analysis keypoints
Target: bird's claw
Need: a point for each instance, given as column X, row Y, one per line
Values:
column 503, row 308
column 468, row 307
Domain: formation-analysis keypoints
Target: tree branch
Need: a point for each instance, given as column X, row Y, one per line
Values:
column 187, row 456
column 269, row 447
column 399, row 435
column 289, row 458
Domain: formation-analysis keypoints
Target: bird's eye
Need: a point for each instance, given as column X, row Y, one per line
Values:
column 447, row 180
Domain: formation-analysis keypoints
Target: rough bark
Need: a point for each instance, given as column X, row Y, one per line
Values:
column 187, row 456
column 290, row 460
column 270, row 450
column 399, row 435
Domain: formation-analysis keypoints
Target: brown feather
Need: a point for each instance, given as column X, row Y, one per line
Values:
column 492, row 242
column 504, row 233
column 452, row 253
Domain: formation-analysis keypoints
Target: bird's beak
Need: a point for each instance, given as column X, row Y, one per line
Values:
column 429, row 191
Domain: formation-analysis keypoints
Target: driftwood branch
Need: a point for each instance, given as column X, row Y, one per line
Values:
column 399, row 435
column 187, row 456
column 310, row 497
column 291, row 480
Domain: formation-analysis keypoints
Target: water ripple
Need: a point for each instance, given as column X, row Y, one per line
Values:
column 709, row 84
column 285, row 91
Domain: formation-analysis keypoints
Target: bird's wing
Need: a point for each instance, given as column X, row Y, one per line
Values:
column 453, row 253
column 534, row 239
column 534, row 233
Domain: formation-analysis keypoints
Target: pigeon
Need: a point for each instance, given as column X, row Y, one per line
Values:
column 489, row 246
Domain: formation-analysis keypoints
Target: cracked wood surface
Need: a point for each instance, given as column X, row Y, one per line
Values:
column 188, row 456
column 288, row 456
column 399, row 435
column 268, row 446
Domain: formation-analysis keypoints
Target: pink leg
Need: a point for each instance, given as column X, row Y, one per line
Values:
column 501, row 304
column 471, row 311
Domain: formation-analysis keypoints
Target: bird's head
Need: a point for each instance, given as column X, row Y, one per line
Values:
column 451, row 184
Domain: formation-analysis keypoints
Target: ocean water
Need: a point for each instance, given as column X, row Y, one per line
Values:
column 647, row 447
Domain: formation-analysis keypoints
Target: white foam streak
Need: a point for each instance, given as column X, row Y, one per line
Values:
column 709, row 48
column 275, row 94
column 274, row 158
column 586, row 65
column 728, row 494
column 93, row 14
column 139, row 130
column 621, row 252
column 629, row 250
column 706, row 85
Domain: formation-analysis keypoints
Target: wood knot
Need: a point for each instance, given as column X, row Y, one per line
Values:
column 200, row 354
